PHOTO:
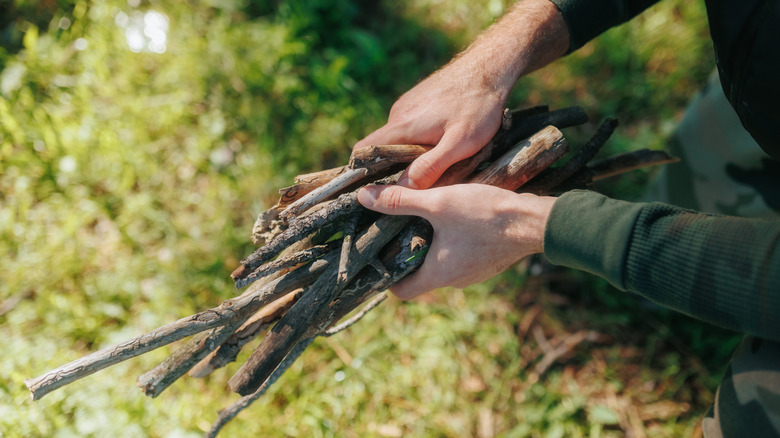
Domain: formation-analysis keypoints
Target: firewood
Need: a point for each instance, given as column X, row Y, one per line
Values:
column 323, row 255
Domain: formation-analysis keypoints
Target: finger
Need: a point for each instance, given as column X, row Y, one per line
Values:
column 429, row 167
column 395, row 200
column 415, row 284
column 387, row 134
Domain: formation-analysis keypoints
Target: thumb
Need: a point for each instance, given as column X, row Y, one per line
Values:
column 393, row 200
column 429, row 167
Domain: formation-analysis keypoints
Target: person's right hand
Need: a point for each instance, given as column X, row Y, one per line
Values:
column 456, row 109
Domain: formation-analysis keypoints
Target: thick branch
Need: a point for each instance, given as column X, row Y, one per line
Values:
column 556, row 177
column 525, row 160
column 524, row 126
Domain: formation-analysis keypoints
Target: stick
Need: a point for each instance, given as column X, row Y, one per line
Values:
column 629, row 161
column 346, row 248
column 253, row 327
column 525, row 161
column 293, row 325
column 557, row 176
column 524, row 126
column 344, row 206
column 229, row 413
column 292, row 260
column 226, row 313
column 156, row 380
column 306, row 183
column 357, row 317
column 324, row 192
column 377, row 157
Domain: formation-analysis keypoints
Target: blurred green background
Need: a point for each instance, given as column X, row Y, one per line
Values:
column 138, row 140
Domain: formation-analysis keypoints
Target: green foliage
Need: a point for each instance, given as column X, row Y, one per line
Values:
column 129, row 180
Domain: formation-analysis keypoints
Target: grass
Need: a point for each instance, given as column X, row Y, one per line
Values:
column 129, row 182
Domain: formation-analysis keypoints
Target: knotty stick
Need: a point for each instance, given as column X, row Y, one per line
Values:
column 325, row 192
column 306, row 183
column 289, row 330
column 253, row 327
column 227, row 312
column 386, row 155
column 525, row 160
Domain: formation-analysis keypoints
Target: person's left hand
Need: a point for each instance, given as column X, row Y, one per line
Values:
column 479, row 230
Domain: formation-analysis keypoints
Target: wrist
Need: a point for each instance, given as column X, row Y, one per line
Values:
column 529, row 36
column 530, row 214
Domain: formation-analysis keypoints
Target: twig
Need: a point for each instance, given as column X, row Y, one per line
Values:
column 566, row 346
column 344, row 206
column 253, row 327
column 304, row 184
column 555, row 177
column 380, row 157
column 156, row 380
column 324, row 192
column 346, row 248
column 293, row 325
column 226, row 313
column 292, row 260
column 227, row 414
column 629, row 161
column 357, row 317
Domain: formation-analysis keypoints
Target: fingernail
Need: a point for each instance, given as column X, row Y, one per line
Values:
column 367, row 196
column 405, row 181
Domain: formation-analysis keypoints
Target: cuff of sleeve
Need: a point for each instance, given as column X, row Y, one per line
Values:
column 591, row 232
column 581, row 24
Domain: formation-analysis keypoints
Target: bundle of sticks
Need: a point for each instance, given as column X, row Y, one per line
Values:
column 322, row 255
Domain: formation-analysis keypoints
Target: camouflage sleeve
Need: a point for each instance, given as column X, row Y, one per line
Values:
column 586, row 19
column 722, row 269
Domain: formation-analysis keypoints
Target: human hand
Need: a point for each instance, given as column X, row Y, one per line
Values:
column 479, row 230
column 458, row 109
column 455, row 109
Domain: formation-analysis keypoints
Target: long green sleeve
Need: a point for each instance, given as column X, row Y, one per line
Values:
column 724, row 270
column 586, row 19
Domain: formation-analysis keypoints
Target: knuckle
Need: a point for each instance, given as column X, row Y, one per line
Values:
column 430, row 167
column 394, row 198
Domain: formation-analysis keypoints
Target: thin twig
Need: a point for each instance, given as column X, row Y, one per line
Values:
column 290, row 261
column 226, row 313
column 227, row 414
column 346, row 248
column 357, row 317
column 324, row 192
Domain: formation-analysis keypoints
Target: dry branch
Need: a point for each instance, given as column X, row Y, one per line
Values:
column 629, row 161
column 228, row 312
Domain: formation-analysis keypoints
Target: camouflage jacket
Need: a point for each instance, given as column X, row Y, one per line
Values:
column 722, row 269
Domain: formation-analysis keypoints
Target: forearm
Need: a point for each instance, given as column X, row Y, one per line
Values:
column 721, row 269
column 529, row 36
